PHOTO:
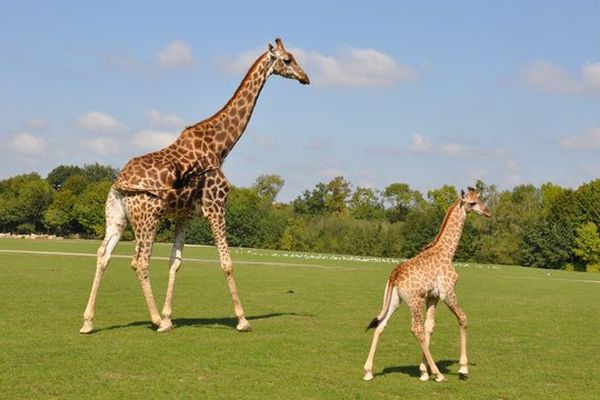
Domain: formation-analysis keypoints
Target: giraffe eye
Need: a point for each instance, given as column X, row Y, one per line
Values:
column 287, row 61
column 473, row 203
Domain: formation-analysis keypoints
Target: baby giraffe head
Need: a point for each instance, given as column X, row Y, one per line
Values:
column 472, row 202
column 284, row 63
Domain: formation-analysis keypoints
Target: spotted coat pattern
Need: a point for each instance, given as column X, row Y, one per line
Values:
column 182, row 181
column 424, row 280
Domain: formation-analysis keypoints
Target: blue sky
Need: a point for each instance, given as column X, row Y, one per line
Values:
column 427, row 93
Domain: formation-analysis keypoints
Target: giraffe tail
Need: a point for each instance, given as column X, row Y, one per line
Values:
column 387, row 298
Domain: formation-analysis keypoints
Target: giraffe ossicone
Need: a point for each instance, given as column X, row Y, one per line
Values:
column 424, row 280
column 183, row 181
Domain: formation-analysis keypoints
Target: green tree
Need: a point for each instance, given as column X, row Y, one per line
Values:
column 60, row 216
column 98, row 172
column 401, row 199
column 329, row 198
column 312, row 201
column 443, row 197
column 338, row 190
column 60, row 174
column 23, row 200
column 90, row 208
column 365, row 204
column 587, row 243
column 268, row 186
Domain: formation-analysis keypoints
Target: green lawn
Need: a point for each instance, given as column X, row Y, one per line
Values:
column 532, row 335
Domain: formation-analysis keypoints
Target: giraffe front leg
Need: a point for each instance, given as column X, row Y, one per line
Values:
column 217, row 224
column 174, row 264
column 452, row 303
column 429, row 324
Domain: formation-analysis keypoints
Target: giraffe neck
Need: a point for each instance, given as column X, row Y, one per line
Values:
column 450, row 232
column 231, row 121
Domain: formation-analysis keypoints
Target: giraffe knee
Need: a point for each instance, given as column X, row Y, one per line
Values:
column 429, row 325
column 463, row 321
column 418, row 331
column 227, row 269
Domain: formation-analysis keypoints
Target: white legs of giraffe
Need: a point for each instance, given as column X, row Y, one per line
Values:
column 418, row 330
column 394, row 304
column 174, row 264
column 421, row 331
column 452, row 304
column 116, row 221
column 429, row 324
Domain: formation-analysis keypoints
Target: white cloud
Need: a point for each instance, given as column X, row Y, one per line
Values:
column 420, row 145
column 27, row 144
column 455, row 150
column 331, row 172
column 590, row 139
column 348, row 67
column 240, row 63
column 175, row 54
column 36, row 123
column 318, row 144
column 356, row 67
column 153, row 139
column 548, row 77
column 590, row 77
column 103, row 146
column 97, row 121
column 262, row 142
column 159, row 119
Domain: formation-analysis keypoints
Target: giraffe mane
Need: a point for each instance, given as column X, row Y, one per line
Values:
column 443, row 227
column 237, row 91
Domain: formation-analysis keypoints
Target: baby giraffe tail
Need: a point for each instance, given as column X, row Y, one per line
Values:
column 387, row 298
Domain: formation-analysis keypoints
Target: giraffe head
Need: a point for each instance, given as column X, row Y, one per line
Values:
column 284, row 63
column 472, row 202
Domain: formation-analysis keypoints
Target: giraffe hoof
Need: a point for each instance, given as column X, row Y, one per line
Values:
column 463, row 377
column 368, row 376
column 440, row 378
column 165, row 326
column 87, row 327
column 243, row 326
column 424, row 377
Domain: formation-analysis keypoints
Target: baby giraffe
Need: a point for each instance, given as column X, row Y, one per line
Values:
column 424, row 280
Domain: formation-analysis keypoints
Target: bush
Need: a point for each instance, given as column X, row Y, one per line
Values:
column 593, row 268
column 25, row 229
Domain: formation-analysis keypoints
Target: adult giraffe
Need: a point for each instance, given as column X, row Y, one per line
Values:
column 182, row 181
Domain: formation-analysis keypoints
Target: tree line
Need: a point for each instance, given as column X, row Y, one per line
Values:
column 547, row 226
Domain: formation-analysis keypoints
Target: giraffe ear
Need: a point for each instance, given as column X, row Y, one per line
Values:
column 279, row 43
column 271, row 47
column 462, row 194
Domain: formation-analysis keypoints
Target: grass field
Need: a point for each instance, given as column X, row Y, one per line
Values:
column 532, row 335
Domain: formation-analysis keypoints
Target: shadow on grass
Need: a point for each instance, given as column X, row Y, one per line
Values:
column 413, row 370
column 229, row 322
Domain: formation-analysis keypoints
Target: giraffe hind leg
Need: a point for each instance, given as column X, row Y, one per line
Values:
column 394, row 304
column 116, row 221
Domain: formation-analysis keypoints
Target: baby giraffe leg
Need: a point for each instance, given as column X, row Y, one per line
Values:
column 429, row 324
column 452, row 304
column 394, row 303
column 418, row 330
